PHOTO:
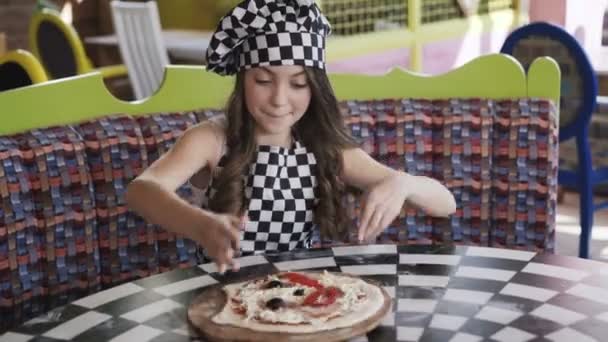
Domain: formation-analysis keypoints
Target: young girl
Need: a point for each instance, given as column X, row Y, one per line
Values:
column 276, row 168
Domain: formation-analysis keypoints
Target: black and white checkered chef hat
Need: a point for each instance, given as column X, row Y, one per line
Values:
column 269, row 32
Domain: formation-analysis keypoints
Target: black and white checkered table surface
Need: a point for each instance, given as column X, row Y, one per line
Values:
column 440, row 294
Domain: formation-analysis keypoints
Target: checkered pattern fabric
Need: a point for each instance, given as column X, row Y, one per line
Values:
column 439, row 294
column 280, row 190
column 263, row 33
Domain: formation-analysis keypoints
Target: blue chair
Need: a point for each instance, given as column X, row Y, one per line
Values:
column 577, row 103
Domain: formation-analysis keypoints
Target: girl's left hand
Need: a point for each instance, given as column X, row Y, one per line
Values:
column 381, row 204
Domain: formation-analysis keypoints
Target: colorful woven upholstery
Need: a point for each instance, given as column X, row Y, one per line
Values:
column 498, row 158
column 426, row 138
column 530, row 48
column 525, row 163
column 21, row 283
column 577, row 103
column 65, row 228
column 115, row 155
column 52, row 236
column 462, row 150
column 65, row 209
column 159, row 133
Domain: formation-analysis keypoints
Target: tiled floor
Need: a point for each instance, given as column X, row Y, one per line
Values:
column 568, row 229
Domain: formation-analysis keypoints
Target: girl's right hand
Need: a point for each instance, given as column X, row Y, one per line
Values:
column 221, row 239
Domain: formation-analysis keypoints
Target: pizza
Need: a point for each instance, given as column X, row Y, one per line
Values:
column 300, row 302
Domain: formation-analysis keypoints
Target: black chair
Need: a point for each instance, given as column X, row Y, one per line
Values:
column 60, row 49
column 19, row 68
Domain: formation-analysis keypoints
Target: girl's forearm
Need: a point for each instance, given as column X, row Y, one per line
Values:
column 165, row 208
column 429, row 195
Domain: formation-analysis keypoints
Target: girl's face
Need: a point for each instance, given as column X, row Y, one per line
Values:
column 276, row 97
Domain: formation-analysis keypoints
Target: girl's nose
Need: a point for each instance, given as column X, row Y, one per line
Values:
column 279, row 95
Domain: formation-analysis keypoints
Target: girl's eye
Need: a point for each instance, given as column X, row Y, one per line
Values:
column 258, row 81
column 299, row 85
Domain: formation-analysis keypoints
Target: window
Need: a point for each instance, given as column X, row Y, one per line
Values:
column 349, row 17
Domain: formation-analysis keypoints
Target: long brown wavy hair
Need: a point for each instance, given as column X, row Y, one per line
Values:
column 321, row 130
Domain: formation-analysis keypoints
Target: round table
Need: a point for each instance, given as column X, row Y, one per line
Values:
column 441, row 293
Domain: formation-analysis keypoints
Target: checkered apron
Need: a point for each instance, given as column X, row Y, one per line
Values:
column 280, row 191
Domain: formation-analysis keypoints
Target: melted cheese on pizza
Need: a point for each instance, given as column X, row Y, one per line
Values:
column 247, row 305
column 353, row 290
column 253, row 299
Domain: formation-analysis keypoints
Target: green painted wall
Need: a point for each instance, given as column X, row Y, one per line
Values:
column 193, row 14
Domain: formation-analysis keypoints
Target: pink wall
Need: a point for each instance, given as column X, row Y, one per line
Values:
column 443, row 56
column 585, row 23
column 374, row 63
column 553, row 11
column 581, row 18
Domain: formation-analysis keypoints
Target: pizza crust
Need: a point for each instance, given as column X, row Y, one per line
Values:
column 373, row 302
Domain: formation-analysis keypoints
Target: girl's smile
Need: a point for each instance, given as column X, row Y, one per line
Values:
column 277, row 116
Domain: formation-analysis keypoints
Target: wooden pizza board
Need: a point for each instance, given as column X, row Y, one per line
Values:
column 212, row 300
